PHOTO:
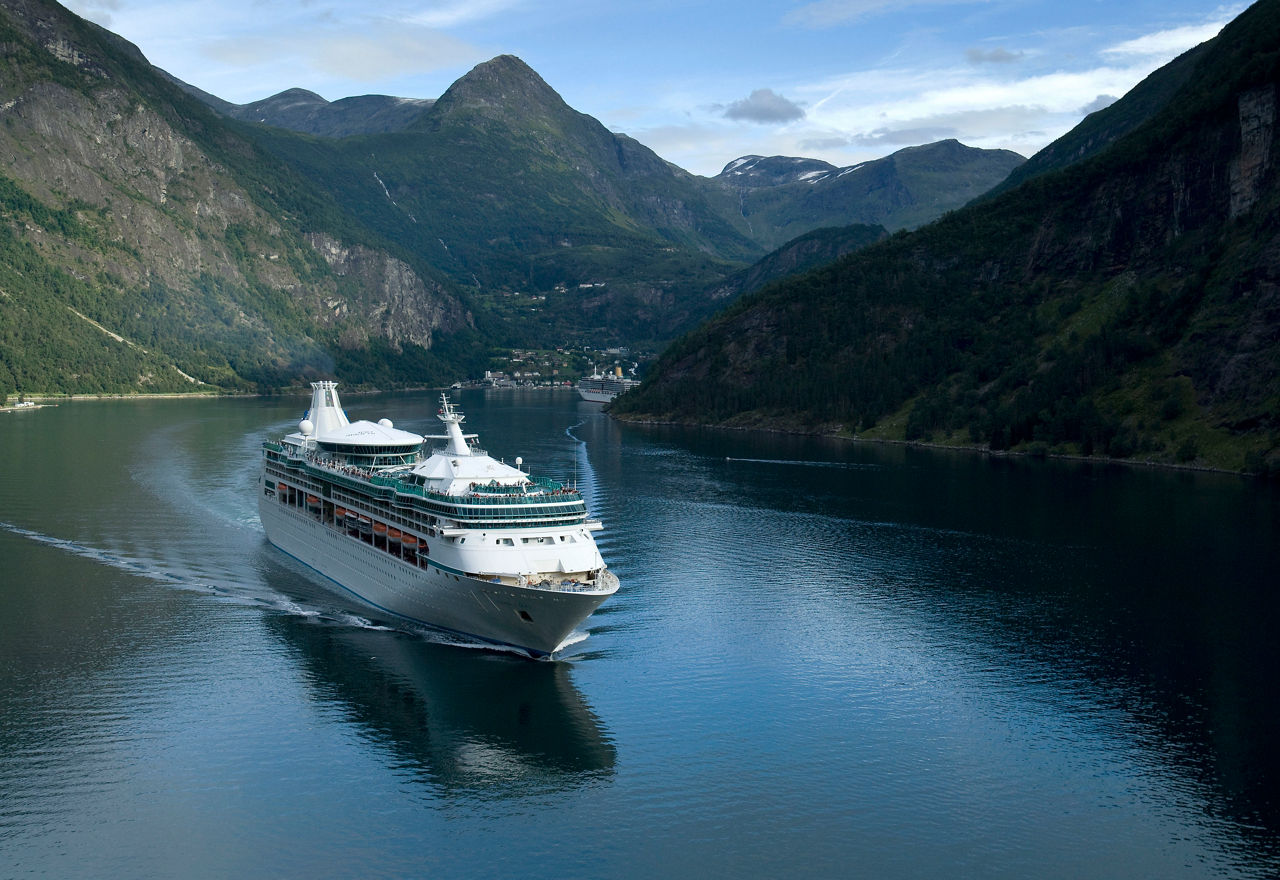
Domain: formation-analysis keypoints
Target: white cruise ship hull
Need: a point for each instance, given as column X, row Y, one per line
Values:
column 534, row 619
column 596, row 396
column 602, row 389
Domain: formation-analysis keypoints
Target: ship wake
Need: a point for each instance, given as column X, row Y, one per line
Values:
column 244, row 595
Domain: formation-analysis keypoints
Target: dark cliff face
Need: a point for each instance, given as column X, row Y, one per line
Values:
column 1127, row 304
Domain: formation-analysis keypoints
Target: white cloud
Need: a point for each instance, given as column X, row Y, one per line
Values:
column 870, row 113
column 97, row 11
column 1099, row 103
column 764, row 106
column 1166, row 44
column 969, row 105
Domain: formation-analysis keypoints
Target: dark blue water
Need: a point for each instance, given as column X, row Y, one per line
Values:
column 825, row 660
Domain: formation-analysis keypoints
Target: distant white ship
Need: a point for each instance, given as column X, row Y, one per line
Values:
column 456, row 540
column 604, row 387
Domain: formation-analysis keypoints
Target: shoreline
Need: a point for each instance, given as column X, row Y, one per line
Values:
column 46, row 400
column 982, row 450
column 54, row 399
column 43, row 401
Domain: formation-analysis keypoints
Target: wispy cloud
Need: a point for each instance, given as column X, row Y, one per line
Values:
column 1167, row 43
column 459, row 12
column 827, row 13
column 992, row 56
column 375, row 51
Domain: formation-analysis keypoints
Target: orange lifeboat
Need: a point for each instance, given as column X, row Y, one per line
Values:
column 283, row 487
column 380, row 529
column 313, row 501
column 339, row 512
column 410, row 542
column 394, row 535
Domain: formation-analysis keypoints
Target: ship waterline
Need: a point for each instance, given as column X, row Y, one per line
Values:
column 456, row 541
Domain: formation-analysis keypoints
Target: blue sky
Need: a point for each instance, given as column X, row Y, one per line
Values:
column 702, row 83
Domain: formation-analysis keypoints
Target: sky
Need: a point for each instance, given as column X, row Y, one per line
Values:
column 702, row 83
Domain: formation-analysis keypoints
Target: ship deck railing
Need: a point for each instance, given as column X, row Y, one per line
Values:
column 445, row 450
column 488, row 505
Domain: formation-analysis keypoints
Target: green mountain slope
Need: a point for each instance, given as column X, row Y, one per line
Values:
column 507, row 189
column 128, row 211
column 1128, row 305
column 510, row 191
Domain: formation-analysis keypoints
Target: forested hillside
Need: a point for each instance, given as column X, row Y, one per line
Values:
column 1127, row 306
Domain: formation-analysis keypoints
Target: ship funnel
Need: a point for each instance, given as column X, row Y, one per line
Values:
column 326, row 409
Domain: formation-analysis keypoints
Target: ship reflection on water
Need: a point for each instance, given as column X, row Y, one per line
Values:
column 455, row 718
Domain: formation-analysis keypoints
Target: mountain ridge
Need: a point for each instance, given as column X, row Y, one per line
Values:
column 1125, row 303
column 250, row 256
column 903, row 190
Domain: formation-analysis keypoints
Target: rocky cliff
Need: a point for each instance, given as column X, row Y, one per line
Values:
column 146, row 214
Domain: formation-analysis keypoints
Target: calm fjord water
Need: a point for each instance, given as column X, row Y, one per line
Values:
column 825, row 660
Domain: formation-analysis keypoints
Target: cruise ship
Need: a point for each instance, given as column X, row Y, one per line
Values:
column 604, row 387
column 455, row 540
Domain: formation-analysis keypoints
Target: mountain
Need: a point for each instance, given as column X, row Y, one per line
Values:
column 508, row 190
column 146, row 245
column 1126, row 304
column 756, row 171
column 782, row 197
column 157, row 238
column 306, row 112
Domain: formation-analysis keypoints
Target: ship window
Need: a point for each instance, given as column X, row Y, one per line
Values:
column 508, row 542
column 524, row 615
